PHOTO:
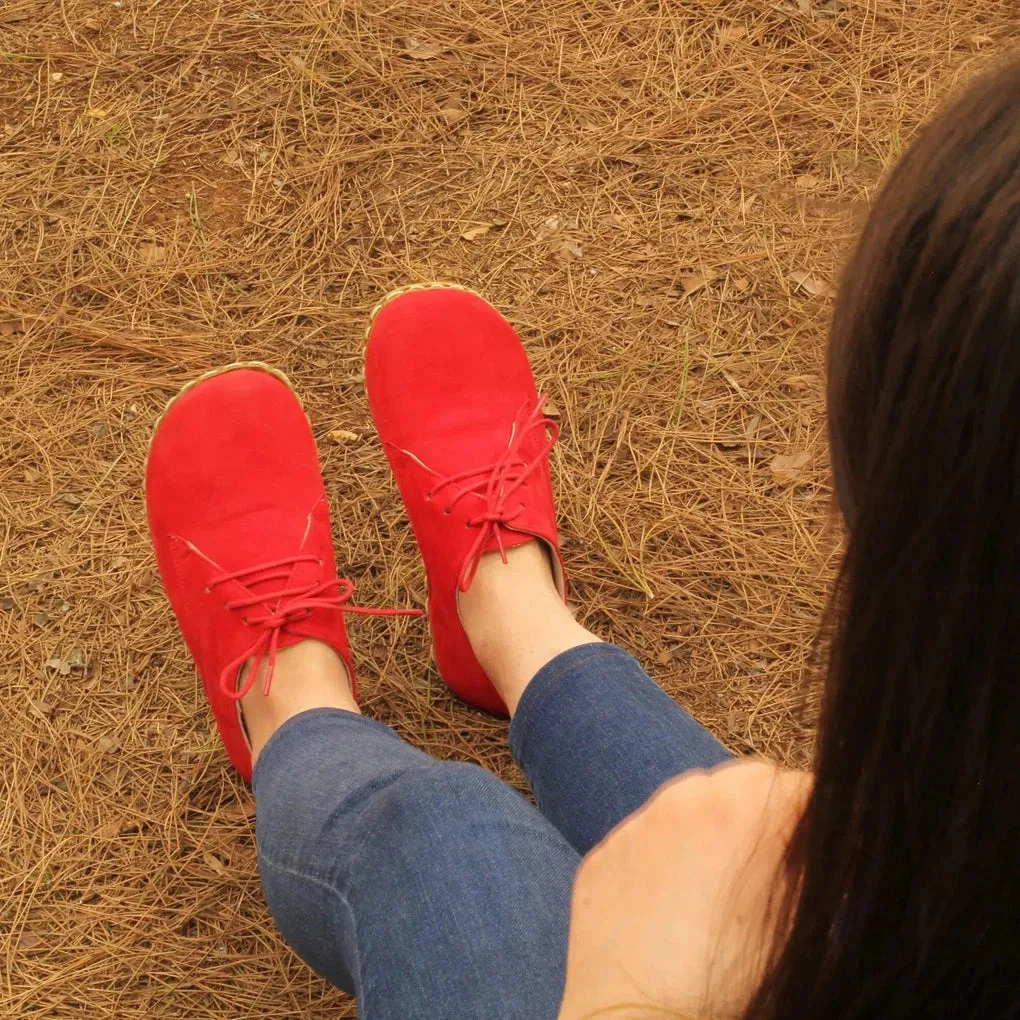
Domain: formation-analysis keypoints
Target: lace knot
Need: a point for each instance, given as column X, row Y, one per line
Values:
column 283, row 607
column 499, row 485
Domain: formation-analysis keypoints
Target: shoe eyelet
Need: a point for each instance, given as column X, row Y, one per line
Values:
column 321, row 563
column 448, row 510
column 244, row 620
column 428, row 497
column 208, row 590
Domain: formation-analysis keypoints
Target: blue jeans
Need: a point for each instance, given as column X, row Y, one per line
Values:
column 432, row 890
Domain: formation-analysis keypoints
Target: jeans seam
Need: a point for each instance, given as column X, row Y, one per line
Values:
column 326, row 887
column 600, row 651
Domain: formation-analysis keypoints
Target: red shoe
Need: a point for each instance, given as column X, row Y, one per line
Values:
column 240, row 524
column 463, row 427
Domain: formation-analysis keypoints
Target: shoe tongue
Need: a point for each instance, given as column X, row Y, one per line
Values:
column 510, row 539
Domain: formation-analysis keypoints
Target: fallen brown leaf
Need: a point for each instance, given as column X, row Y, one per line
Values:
column 453, row 115
column 418, row 49
column 553, row 223
column 800, row 383
column 734, row 381
column 344, row 436
column 239, row 812
column 726, row 35
column 215, row 863
column 788, row 468
column 811, row 284
column 691, row 283
column 43, row 709
column 473, row 233
column 152, row 254
column 143, row 579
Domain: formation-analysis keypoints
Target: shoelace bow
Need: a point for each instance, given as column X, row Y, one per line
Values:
column 498, row 484
column 290, row 606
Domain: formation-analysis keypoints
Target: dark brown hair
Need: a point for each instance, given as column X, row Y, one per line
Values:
column 905, row 869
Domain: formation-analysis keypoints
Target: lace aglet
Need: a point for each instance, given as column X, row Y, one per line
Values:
column 268, row 683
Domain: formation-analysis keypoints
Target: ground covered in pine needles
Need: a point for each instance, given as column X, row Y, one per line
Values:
column 658, row 194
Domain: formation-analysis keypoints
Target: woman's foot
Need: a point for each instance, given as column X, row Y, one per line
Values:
column 516, row 619
column 463, row 426
column 240, row 524
column 310, row 674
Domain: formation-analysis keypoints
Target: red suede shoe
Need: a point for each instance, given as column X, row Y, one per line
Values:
column 240, row 524
column 464, row 429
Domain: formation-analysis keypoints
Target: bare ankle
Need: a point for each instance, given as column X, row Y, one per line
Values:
column 306, row 675
column 527, row 572
column 516, row 620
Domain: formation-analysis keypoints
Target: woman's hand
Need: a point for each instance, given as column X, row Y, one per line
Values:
column 670, row 910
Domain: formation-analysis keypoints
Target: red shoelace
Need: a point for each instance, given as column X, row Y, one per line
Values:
column 289, row 606
column 499, row 484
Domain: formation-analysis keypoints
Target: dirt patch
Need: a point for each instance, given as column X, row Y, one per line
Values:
column 660, row 199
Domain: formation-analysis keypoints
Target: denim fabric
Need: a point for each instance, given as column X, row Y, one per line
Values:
column 434, row 891
column 596, row 737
